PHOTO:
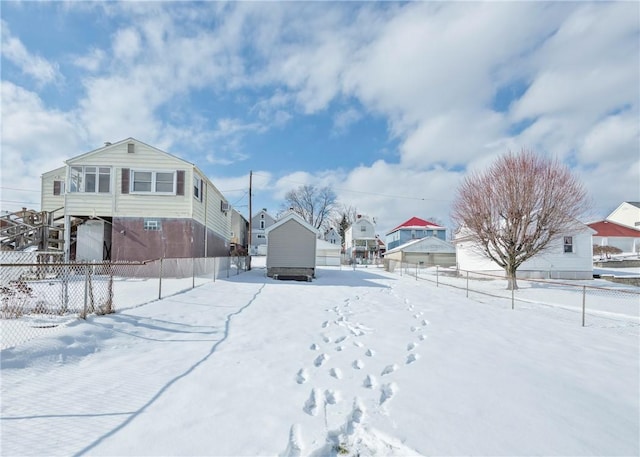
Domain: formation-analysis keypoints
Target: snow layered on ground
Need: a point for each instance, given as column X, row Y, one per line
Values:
column 354, row 363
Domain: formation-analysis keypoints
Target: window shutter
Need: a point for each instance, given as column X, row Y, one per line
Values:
column 57, row 186
column 180, row 183
column 201, row 189
column 125, row 181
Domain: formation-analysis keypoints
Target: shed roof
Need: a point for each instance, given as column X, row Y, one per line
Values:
column 291, row 215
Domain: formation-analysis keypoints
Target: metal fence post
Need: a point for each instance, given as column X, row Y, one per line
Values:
column 86, row 290
column 228, row 265
column 584, row 300
column 214, row 268
column 416, row 271
column 437, row 276
column 193, row 272
column 467, row 284
column 160, row 281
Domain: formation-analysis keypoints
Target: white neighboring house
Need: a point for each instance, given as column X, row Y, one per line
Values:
column 328, row 254
column 291, row 248
column 360, row 240
column 568, row 257
column 627, row 214
column 259, row 225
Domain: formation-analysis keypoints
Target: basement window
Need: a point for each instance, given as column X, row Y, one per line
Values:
column 152, row 225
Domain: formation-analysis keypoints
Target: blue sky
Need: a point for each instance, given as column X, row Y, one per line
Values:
column 388, row 103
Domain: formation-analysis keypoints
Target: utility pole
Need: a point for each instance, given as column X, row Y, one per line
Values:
column 250, row 234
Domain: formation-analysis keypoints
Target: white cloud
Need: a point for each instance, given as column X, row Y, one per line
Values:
column 126, row 44
column 37, row 67
column 34, row 140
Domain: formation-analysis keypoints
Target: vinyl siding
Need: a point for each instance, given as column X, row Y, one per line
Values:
column 48, row 201
column 291, row 245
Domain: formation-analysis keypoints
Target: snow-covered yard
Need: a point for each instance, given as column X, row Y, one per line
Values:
column 354, row 363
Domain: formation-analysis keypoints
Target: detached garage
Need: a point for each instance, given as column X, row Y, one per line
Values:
column 291, row 248
column 429, row 251
column 327, row 254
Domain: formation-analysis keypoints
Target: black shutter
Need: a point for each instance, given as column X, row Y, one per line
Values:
column 201, row 189
column 180, row 183
column 125, row 181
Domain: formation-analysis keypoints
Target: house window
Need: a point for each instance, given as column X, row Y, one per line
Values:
column 152, row 225
column 90, row 179
column 260, row 236
column 363, row 228
column 160, row 182
column 568, row 244
column 262, row 224
column 197, row 188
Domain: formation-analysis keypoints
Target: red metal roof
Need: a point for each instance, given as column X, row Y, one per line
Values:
column 606, row 228
column 416, row 222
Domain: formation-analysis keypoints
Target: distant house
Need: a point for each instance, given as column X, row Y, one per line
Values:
column 239, row 231
column 428, row 251
column 131, row 201
column 414, row 229
column 291, row 248
column 608, row 233
column 328, row 254
column 360, row 240
column 332, row 236
column 627, row 214
column 259, row 225
column 568, row 257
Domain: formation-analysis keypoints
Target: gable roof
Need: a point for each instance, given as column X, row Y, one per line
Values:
column 608, row 228
column 118, row 143
column 415, row 222
column 291, row 215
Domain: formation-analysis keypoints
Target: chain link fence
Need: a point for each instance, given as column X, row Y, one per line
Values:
column 577, row 301
column 39, row 293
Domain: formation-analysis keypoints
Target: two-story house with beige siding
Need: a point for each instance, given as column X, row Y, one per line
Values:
column 131, row 201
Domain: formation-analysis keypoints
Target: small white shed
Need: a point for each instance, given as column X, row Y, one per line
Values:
column 327, row 254
column 291, row 248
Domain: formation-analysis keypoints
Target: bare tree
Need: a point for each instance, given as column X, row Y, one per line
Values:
column 315, row 205
column 517, row 207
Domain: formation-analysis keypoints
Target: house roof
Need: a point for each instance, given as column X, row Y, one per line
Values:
column 126, row 140
column 607, row 228
column 415, row 222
